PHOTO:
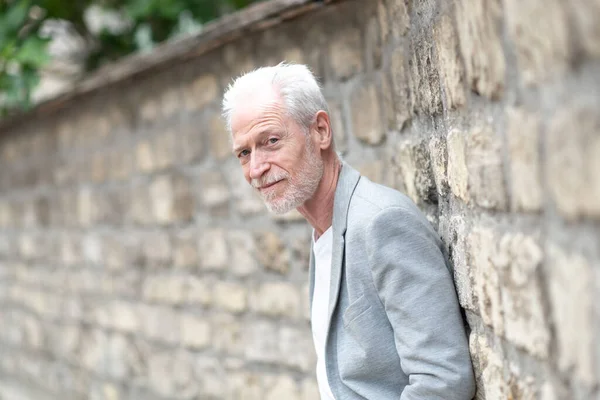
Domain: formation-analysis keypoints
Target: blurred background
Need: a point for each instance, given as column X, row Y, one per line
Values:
column 47, row 44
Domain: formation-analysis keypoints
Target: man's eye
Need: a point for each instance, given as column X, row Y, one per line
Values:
column 273, row 140
column 243, row 153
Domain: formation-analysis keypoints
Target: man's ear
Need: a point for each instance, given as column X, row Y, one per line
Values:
column 322, row 128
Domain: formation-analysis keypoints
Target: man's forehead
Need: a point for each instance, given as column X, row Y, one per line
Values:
column 252, row 107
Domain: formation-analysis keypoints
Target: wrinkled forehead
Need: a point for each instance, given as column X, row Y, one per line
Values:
column 254, row 104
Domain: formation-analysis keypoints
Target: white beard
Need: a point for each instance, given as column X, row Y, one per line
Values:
column 299, row 189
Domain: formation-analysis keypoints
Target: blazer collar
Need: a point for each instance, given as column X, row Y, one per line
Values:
column 347, row 181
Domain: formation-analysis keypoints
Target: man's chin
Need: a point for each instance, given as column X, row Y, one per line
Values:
column 279, row 209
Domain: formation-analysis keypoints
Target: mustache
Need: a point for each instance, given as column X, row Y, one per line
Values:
column 269, row 179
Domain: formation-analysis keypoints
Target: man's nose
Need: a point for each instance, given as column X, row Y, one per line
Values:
column 258, row 167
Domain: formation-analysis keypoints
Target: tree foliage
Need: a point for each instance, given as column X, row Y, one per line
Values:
column 24, row 50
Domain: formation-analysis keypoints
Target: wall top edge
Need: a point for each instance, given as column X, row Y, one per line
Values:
column 256, row 17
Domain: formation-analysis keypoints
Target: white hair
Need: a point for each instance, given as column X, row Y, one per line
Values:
column 295, row 83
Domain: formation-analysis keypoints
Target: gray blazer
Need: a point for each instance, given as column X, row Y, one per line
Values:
column 395, row 326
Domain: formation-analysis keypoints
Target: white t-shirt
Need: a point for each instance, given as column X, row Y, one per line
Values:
column 322, row 253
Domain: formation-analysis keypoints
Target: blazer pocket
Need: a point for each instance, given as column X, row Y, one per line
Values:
column 357, row 308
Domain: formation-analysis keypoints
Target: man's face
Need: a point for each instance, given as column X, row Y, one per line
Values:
column 278, row 158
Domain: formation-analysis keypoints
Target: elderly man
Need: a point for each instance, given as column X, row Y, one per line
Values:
column 385, row 318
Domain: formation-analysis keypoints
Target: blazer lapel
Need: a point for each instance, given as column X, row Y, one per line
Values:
column 347, row 182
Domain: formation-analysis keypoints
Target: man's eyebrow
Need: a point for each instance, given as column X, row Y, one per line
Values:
column 266, row 132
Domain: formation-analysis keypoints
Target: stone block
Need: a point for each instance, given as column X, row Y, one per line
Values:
column 523, row 131
column 99, row 167
column 94, row 347
column 570, row 284
column 394, row 20
column 451, row 69
column 464, row 275
column 424, row 78
column 540, row 33
column 86, row 206
column 345, row 54
column 165, row 289
column 123, row 360
column 488, row 365
column 170, row 100
column 230, row 296
column 242, row 253
column 416, row 170
column 585, row 20
column 213, row 192
column 164, row 149
column 172, row 198
column 185, row 248
column 160, row 323
column 145, row 159
column 271, row 252
column 336, row 118
column 508, row 290
column 482, row 248
column 220, row 140
column 124, row 316
column 484, row 164
column 212, row 249
column 439, row 163
column 310, row 389
column 367, row 125
column 519, row 259
column 149, row 109
column 228, row 336
column 573, row 161
column 276, row 299
column 156, row 249
column 195, row 331
column 201, row 92
column 245, row 385
column 261, row 342
column 281, row 387
column 190, row 141
column 140, row 208
column 171, row 374
column 373, row 43
column 199, row 291
column 373, row 170
column 121, row 164
column 297, row 347
column 479, row 30
column 458, row 174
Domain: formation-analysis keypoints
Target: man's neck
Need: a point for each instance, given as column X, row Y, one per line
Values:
column 318, row 210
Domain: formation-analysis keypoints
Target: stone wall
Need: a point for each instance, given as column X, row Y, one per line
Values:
column 135, row 262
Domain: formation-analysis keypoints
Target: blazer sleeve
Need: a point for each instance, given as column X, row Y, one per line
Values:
column 417, row 291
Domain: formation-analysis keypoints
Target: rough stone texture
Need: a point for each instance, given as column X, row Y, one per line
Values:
column 458, row 174
column 573, row 161
column 136, row 263
column 523, row 140
column 479, row 30
column 272, row 253
column 365, row 110
column 450, row 64
column 571, row 285
column 484, row 166
column 540, row 33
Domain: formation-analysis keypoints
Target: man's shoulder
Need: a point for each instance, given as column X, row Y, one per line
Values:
column 377, row 197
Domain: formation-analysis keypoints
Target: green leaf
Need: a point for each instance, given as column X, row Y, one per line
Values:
column 33, row 52
column 14, row 19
